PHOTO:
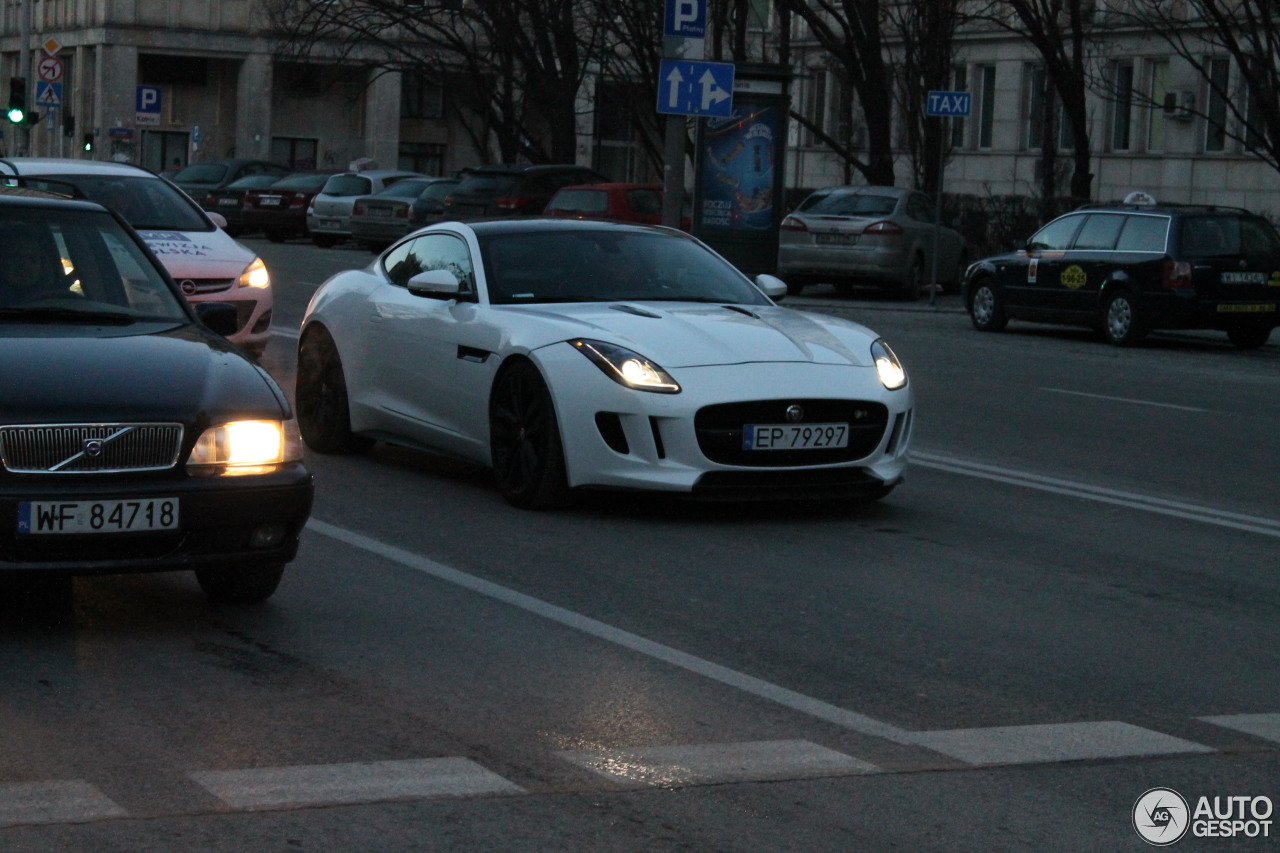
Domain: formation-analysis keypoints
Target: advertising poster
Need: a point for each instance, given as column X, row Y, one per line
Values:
column 738, row 157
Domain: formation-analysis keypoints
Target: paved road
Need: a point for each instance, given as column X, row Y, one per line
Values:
column 1071, row 601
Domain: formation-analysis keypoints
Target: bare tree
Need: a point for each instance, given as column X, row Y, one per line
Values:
column 926, row 31
column 512, row 68
column 1062, row 33
column 850, row 31
column 1248, row 33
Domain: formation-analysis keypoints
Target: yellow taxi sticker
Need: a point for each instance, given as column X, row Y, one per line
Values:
column 1074, row 277
column 1274, row 281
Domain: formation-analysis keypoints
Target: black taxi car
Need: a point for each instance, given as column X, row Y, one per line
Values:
column 133, row 436
column 1132, row 268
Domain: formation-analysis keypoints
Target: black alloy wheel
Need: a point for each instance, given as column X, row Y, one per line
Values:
column 986, row 306
column 324, row 413
column 528, row 458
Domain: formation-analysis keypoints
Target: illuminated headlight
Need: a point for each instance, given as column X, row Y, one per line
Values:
column 246, row 447
column 892, row 374
column 255, row 275
column 627, row 367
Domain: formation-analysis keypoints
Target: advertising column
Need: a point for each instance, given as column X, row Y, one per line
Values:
column 739, row 169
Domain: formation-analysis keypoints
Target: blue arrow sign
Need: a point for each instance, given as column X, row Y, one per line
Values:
column 695, row 88
column 948, row 104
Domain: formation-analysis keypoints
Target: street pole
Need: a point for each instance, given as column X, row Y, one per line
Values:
column 937, row 212
column 22, row 132
column 673, row 172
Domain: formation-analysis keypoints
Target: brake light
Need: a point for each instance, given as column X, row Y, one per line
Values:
column 1177, row 274
column 301, row 201
column 403, row 212
column 358, row 208
column 883, row 228
column 514, row 202
column 793, row 223
column 448, row 200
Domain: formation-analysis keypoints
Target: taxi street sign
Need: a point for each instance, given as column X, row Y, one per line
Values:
column 695, row 88
column 948, row 104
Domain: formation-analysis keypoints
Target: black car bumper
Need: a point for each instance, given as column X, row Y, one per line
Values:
column 221, row 521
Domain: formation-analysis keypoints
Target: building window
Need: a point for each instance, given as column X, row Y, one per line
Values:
column 420, row 97
column 1215, row 130
column 1157, row 116
column 815, row 108
column 424, row 157
column 297, row 154
column 1035, row 103
column 960, row 80
column 986, row 105
column 1254, row 120
column 1121, row 106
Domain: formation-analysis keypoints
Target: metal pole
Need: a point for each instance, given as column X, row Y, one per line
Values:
column 22, row 132
column 673, row 173
column 937, row 211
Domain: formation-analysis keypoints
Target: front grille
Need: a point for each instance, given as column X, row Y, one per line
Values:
column 89, row 448
column 196, row 286
column 719, row 431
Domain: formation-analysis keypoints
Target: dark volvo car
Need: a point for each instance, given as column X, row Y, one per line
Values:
column 1133, row 268
column 133, row 438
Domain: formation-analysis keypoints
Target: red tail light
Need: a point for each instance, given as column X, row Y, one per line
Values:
column 403, row 212
column 883, row 228
column 1177, row 274
column 300, row 201
column 793, row 223
column 358, row 208
column 448, row 200
column 514, row 202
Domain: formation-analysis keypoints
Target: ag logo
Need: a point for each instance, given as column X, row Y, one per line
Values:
column 1161, row 816
column 1074, row 277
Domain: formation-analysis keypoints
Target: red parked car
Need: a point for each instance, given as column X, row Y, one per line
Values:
column 615, row 202
column 280, row 210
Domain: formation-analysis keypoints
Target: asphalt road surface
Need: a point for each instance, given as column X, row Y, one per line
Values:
column 1073, row 600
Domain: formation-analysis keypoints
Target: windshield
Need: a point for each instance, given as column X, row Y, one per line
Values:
column 849, row 204
column 77, row 266
column 347, row 185
column 608, row 266
column 146, row 202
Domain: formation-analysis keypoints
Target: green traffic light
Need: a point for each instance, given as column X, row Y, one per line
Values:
column 16, row 115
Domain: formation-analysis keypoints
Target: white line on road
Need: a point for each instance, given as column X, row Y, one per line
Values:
column 1052, row 743
column 1265, row 726
column 72, row 801
column 1084, row 491
column 713, row 763
column 1124, row 400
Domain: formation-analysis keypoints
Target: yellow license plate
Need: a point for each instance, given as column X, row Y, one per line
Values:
column 1246, row 309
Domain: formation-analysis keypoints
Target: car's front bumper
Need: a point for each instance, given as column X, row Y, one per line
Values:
column 662, row 447
column 224, row 521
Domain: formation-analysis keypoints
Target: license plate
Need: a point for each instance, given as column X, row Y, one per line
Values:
column 92, row 517
column 794, row 436
column 1244, row 278
column 271, row 201
column 329, row 223
column 379, row 211
column 835, row 239
column 228, row 202
column 1259, row 308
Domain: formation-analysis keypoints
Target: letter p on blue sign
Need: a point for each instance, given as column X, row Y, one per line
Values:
column 685, row 19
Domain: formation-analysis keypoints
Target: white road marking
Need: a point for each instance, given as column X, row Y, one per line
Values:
column 712, row 763
column 1053, row 743
column 71, row 801
column 1265, row 726
column 366, row 782
column 1124, row 400
column 1070, row 488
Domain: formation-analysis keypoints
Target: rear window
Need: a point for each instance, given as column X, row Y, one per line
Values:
column 1213, row 235
column 253, row 182
column 405, row 189
column 348, row 185
column 480, row 184
column 304, row 183
column 849, row 204
column 202, row 173
column 580, row 201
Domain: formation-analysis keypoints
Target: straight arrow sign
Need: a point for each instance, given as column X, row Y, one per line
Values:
column 693, row 88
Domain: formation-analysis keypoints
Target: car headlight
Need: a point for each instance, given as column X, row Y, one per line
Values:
column 627, row 367
column 255, row 275
column 246, row 447
column 892, row 374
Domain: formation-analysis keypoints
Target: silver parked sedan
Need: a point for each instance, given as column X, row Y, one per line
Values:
column 883, row 235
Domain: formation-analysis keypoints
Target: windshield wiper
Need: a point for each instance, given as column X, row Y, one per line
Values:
column 75, row 315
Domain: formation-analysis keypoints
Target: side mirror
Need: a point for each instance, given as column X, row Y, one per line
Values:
column 217, row 317
column 218, row 219
column 437, row 283
column 772, row 286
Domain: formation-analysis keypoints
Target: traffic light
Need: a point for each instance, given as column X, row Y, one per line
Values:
column 17, row 112
column 88, row 142
column 68, row 125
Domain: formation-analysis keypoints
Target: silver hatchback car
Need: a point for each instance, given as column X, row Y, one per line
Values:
column 329, row 214
column 883, row 235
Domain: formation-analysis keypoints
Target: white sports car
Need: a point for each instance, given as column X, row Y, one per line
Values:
column 568, row 354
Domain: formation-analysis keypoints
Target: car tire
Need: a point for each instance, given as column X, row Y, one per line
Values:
column 986, row 306
column 913, row 285
column 1122, row 321
column 324, row 412
column 277, row 235
column 325, row 241
column 1248, row 336
column 240, row 584
column 524, row 439
column 795, row 285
